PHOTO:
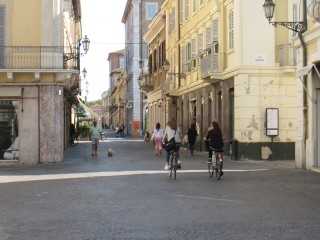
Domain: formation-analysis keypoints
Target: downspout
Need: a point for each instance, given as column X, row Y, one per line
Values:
column 179, row 51
column 38, row 122
column 141, row 67
column 304, row 62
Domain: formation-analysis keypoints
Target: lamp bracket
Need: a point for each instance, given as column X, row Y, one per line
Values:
column 294, row 26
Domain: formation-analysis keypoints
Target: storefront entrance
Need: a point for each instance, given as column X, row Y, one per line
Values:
column 8, row 129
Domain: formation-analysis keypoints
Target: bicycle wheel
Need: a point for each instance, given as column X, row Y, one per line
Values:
column 218, row 169
column 210, row 169
column 174, row 168
column 171, row 166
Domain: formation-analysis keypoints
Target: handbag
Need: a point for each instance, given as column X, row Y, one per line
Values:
column 171, row 145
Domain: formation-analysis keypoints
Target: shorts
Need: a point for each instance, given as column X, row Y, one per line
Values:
column 95, row 141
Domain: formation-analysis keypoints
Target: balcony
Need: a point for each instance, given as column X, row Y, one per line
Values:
column 209, row 66
column 145, row 84
column 20, row 57
column 170, row 86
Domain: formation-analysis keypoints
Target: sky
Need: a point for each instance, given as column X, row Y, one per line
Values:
column 101, row 22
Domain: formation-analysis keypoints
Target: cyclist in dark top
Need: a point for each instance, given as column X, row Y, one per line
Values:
column 214, row 139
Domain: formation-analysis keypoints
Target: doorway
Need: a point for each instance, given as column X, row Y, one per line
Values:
column 8, row 125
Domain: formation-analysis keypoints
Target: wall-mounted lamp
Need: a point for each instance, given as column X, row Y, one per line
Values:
column 269, row 8
column 166, row 66
column 314, row 10
column 84, row 73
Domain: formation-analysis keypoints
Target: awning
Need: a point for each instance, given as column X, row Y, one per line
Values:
column 304, row 71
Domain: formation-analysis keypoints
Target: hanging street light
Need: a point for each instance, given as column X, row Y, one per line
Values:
column 269, row 7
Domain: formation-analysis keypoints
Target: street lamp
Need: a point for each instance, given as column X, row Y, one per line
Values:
column 166, row 66
column 86, row 44
column 84, row 73
column 269, row 8
column 314, row 10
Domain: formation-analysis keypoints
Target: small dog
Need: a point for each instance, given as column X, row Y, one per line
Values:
column 110, row 152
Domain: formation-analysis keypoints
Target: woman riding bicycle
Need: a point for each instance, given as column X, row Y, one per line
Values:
column 172, row 131
column 214, row 139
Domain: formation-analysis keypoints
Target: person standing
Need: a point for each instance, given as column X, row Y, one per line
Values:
column 157, row 138
column 72, row 133
column 214, row 139
column 172, row 131
column 192, row 136
column 94, row 135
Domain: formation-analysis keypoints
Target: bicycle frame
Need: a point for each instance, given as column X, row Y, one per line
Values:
column 174, row 154
column 216, row 165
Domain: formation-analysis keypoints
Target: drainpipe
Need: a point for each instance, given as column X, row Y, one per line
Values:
column 304, row 62
column 141, row 67
column 38, row 122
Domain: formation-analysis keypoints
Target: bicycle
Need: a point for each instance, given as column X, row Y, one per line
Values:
column 216, row 165
column 173, row 164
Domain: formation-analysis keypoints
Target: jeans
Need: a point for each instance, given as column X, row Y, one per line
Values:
column 168, row 153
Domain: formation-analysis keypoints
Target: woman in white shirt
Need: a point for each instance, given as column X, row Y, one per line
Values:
column 172, row 131
column 157, row 138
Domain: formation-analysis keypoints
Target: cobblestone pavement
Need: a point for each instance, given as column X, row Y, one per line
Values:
column 130, row 196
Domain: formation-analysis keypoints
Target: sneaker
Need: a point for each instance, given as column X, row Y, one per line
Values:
column 166, row 167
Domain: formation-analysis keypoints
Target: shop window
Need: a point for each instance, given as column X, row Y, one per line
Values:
column 8, row 126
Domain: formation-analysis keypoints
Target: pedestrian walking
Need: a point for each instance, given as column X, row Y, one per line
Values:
column 192, row 136
column 157, row 139
column 94, row 134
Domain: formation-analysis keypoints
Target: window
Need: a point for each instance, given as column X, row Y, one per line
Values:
column 121, row 62
column 2, row 34
column 194, row 5
column 187, row 9
column 173, row 18
column 231, row 31
column 208, row 37
column 181, row 11
column 200, row 42
column 150, row 64
column 151, row 10
column 201, row 2
column 155, row 60
column 295, row 16
column 8, row 124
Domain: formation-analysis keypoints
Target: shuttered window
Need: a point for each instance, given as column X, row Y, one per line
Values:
column 231, row 31
column 187, row 9
column 2, row 34
column 181, row 11
column 200, row 42
column 208, row 37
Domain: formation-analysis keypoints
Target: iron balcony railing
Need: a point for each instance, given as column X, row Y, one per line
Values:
column 40, row 57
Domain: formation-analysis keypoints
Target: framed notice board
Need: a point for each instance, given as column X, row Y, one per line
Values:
column 272, row 117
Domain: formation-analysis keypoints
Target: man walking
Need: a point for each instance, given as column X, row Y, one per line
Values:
column 94, row 134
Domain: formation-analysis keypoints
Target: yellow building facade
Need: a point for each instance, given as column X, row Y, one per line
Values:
column 39, row 77
column 224, row 68
column 308, row 89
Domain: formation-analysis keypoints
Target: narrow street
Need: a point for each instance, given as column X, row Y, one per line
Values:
column 130, row 196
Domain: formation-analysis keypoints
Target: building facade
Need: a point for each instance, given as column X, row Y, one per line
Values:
column 153, row 82
column 116, row 83
column 219, row 71
column 137, row 15
column 39, row 77
column 308, row 86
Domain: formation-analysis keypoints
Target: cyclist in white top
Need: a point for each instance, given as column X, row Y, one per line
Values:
column 172, row 131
